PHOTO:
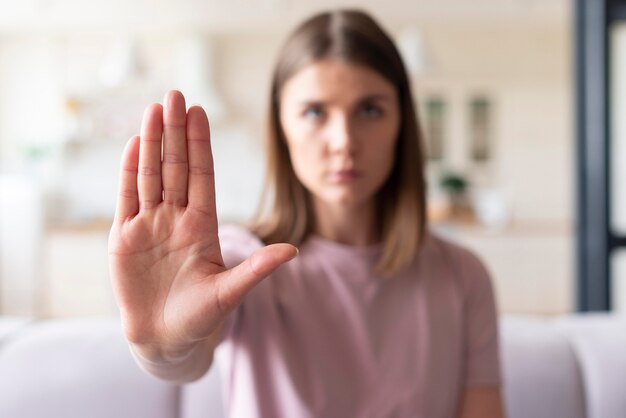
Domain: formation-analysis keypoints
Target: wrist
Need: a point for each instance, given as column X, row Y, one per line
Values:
column 176, row 366
column 160, row 355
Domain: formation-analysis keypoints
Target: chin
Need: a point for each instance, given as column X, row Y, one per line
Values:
column 347, row 199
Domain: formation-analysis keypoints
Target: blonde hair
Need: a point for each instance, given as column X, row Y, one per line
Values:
column 285, row 214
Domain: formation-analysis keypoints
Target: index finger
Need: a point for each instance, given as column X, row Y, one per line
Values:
column 201, row 184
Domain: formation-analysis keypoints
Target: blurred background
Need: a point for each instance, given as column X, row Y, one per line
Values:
column 494, row 80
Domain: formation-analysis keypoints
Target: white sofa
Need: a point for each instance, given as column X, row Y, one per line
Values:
column 571, row 367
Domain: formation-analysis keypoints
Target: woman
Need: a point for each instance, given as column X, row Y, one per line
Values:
column 376, row 317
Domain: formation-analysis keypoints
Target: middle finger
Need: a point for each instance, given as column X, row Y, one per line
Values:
column 175, row 159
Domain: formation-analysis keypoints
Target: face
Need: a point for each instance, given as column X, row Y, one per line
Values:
column 341, row 122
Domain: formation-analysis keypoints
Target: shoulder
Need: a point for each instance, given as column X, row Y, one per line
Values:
column 237, row 243
column 462, row 263
column 239, row 234
column 452, row 252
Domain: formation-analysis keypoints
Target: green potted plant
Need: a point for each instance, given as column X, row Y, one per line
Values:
column 455, row 185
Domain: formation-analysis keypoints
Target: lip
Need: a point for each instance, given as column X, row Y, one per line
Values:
column 344, row 176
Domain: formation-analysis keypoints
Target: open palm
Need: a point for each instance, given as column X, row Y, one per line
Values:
column 166, row 265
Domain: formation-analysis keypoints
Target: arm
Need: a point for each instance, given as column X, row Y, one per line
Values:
column 168, row 275
column 482, row 402
column 481, row 397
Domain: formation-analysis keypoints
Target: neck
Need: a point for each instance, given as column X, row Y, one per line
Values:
column 352, row 226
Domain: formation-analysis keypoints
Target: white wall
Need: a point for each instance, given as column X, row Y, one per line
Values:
column 618, row 127
column 527, row 72
column 525, row 69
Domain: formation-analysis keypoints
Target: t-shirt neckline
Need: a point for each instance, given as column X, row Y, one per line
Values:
column 338, row 247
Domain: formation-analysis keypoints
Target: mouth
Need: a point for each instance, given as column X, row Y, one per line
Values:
column 344, row 176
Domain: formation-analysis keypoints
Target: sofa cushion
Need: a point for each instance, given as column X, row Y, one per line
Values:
column 10, row 325
column 78, row 368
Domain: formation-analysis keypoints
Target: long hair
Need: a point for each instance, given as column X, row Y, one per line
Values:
column 285, row 214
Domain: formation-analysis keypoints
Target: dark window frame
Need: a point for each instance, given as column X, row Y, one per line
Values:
column 595, row 240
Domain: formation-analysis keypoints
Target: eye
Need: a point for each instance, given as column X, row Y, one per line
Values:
column 371, row 111
column 313, row 112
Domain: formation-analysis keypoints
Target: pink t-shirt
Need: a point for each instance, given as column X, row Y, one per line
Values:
column 325, row 337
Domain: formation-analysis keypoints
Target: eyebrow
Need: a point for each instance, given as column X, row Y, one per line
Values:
column 368, row 98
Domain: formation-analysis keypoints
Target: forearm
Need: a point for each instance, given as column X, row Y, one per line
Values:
column 482, row 402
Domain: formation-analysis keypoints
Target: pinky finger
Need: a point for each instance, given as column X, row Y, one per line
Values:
column 127, row 199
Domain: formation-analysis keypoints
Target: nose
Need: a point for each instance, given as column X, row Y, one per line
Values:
column 341, row 135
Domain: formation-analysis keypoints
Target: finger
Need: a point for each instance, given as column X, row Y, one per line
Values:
column 127, row 199
column 239, row 280
column 201, row 175
column 149, row 177
column 175, row 164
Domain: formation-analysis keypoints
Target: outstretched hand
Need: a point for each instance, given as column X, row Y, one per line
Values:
column 166, row 265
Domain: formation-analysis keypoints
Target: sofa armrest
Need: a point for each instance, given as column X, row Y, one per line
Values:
column 599, row 342
column 540, row 370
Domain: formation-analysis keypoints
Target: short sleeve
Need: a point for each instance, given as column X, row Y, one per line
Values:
column 236, row 244
column 481, row 324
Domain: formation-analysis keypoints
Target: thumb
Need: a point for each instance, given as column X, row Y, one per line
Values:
column 240, row 279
